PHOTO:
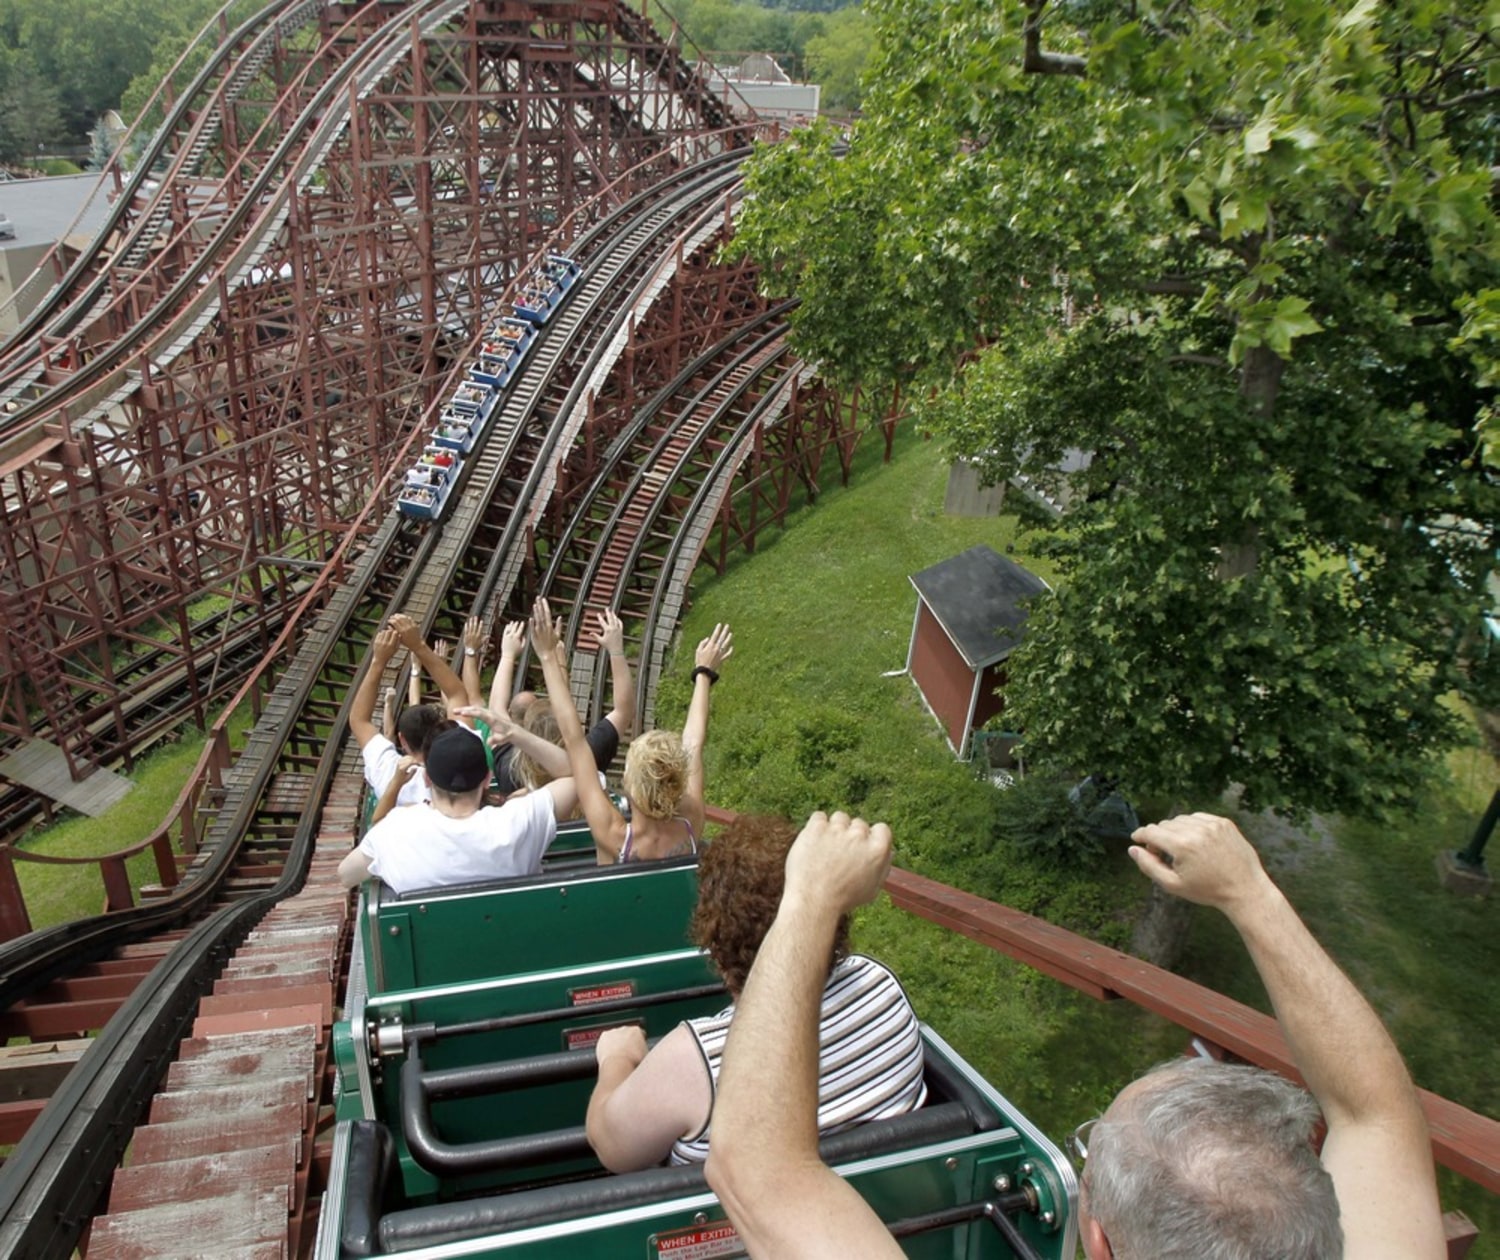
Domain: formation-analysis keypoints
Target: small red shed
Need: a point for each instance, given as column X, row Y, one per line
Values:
column 971, row 613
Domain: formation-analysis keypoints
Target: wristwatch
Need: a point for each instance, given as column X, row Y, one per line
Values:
column 468, row 651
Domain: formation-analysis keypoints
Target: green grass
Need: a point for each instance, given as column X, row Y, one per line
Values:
column 58, row 894
column 804, row 718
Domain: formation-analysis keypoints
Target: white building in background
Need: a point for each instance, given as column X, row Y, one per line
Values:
column 764, row 87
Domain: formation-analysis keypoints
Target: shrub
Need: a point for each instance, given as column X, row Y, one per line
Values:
column 1036, row 816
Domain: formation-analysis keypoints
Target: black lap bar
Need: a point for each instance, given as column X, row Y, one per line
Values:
column 449, row 1222
column 429, row 1150
column 420, row 1088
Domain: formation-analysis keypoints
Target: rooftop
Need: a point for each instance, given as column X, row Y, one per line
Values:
column 981, row 599
column 44, row 209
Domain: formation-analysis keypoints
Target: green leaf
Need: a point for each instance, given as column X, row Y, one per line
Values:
column 1199, row 197
column 1258, row 136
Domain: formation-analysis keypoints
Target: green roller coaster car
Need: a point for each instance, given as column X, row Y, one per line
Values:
column 465, row 1063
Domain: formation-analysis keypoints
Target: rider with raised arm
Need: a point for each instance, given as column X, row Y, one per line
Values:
column 663, row 778
column 1165, row 1178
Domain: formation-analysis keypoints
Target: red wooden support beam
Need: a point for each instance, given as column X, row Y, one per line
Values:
column 14, row 921
column 118, row 892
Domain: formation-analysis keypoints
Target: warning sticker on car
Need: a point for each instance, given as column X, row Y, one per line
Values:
column 601, row 992
column 698, row 1242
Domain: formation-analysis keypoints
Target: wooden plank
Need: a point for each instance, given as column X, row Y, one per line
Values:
column 1462, row 1140
column 17, row 1117
column 51, row 1020
column 253, row 1021
column 222, row 1061
column 251, row 1221
column 257, row 997
column 207, row 1133
column 43, row 767
column 37, row 1069
column 278, row 1093
column 203, row 1177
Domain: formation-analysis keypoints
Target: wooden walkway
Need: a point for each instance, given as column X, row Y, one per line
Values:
column 43, row 768
column 224, row 1165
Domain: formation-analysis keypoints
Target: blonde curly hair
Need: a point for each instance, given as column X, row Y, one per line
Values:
column 656, row 774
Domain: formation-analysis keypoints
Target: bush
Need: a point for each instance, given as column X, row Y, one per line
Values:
column 1036, row 817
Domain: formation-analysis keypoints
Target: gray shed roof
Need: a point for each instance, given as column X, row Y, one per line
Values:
column 979, row 597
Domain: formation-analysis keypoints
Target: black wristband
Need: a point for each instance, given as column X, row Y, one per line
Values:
column 706, row 672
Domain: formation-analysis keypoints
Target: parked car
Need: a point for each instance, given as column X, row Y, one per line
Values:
column 7, row 228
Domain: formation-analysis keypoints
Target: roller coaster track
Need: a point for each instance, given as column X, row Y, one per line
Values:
column 238, row 230
column 233, row 245
column 297, row 783
column 193, row 122
column 128, row 324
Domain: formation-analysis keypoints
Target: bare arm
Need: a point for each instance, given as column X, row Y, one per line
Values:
column 392, row 793
column 1377, row 1136
column 545, row 753
column 441, row 673
column 611, row 635
column 511, row 643
column 644, row 1101
column 564, row 794
column 474, row 640
column 362, row 707
column 603, row 818
column 763, row 1157
column 711, row 654
column 354, row 869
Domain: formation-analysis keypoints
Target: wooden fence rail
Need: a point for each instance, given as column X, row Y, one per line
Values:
column 1462, row 1140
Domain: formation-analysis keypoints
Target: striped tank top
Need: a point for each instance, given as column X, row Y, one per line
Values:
column 870, row 1056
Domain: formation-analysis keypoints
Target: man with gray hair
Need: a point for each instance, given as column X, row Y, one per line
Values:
column 1195, row 1160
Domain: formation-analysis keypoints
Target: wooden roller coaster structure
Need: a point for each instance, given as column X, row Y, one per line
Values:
column 221, row 398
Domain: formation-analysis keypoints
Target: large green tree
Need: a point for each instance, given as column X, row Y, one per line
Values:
column 1244, row 259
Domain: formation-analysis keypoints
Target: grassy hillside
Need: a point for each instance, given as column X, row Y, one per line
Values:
column 806, row 717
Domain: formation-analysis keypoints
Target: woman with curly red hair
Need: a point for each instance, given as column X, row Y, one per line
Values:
column 648, row 1106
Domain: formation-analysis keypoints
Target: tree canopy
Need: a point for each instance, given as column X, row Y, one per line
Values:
column 1242, row 260
column 64, row 62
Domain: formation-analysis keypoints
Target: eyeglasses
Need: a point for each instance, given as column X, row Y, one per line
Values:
column 1078, row 1140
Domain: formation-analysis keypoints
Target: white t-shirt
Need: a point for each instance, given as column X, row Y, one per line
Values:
column 381, row 758
column 421, row 848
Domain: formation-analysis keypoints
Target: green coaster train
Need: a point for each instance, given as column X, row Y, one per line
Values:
column 464, row 1066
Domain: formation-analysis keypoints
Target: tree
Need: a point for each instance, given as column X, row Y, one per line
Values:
column 1244, row 258
column 836, row 58
column 30, row 110
column 87, row 54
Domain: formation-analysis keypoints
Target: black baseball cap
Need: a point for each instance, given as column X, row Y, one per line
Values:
column 456, row 761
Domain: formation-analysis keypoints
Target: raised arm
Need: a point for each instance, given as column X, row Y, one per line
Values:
column 441, row 673
column 511, row 643
column 544, row 752
column 354, row 869
column 603, row 818
column 763, row 1157
column 475, row 641
column 711, row 654
column 610, row 631
column 362, row 707
column 1377, row 1151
